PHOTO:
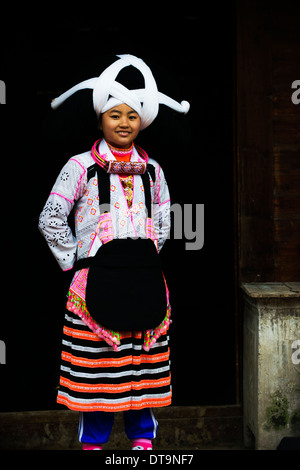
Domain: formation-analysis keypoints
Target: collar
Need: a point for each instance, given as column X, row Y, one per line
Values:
column 103, row 156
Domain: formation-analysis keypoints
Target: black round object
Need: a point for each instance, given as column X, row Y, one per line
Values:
column 125, row 288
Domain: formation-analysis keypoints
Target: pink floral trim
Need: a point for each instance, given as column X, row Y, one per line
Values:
column 64, row 197
column 76, row 305
column 151, row 336
column 78, row 285
column 150, row 232
column 165, row 202
column 105, row 228
column 76, row 296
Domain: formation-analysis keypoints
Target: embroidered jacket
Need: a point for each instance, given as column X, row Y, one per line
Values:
column 72, row 189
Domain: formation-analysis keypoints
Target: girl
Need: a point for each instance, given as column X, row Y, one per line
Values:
column 115, row 354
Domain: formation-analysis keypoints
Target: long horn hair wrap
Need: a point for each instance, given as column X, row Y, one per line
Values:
column 107, row 92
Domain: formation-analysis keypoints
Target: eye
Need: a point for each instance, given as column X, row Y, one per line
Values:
column 114, row 116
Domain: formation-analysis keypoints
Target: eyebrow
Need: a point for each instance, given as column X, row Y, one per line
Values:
column 119, row 112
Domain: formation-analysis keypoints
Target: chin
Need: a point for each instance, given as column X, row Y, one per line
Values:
column 121, row 142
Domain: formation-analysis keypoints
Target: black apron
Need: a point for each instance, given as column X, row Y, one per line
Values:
column 125, row 289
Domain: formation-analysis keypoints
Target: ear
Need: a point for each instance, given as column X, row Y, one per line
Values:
column 100, row 122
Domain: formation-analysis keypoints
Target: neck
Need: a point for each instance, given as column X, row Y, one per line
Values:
column 121, row 154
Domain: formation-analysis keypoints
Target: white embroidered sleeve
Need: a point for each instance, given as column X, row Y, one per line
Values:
column 161, row 208
column 53, row 222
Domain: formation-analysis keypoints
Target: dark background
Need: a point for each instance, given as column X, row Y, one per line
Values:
column 191, row 52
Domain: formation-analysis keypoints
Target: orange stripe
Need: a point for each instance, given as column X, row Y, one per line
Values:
column 130, row 334
column 114, row 388
column 88, row 335
column 115, row 362
column 131, row 404
column 83, row 362
column 151, row 383
column 153, row 358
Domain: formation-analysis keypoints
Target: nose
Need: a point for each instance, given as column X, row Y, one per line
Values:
column 124, row 122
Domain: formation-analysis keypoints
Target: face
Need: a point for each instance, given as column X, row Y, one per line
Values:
column 120, row 126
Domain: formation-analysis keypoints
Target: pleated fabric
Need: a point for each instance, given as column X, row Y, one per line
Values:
column 94, row 377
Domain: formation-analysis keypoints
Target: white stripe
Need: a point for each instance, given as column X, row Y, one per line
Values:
column 80, row 429
column 75, row 321
column 116, row 374
column 108, row 348
column 155, row 423
column 77, row 347
column 158, row 345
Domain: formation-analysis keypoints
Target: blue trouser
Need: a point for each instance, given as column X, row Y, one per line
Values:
column 95, row 426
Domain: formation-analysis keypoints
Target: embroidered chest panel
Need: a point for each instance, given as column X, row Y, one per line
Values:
column 127, row 207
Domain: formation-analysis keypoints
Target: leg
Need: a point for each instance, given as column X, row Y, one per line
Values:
column 95, row 427
column 140, row 426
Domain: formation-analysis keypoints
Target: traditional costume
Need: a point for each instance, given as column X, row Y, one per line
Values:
column 115, row 353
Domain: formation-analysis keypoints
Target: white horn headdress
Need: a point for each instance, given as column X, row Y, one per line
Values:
column 107, row 92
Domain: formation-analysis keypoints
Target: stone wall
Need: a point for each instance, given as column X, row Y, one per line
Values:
column 271, row 363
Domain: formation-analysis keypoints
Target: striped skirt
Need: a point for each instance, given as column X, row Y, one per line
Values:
column 94, row 377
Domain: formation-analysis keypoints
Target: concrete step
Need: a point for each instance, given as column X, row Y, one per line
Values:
column 180, row 428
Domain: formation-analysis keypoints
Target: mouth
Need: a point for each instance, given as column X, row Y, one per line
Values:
column 123, row 133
